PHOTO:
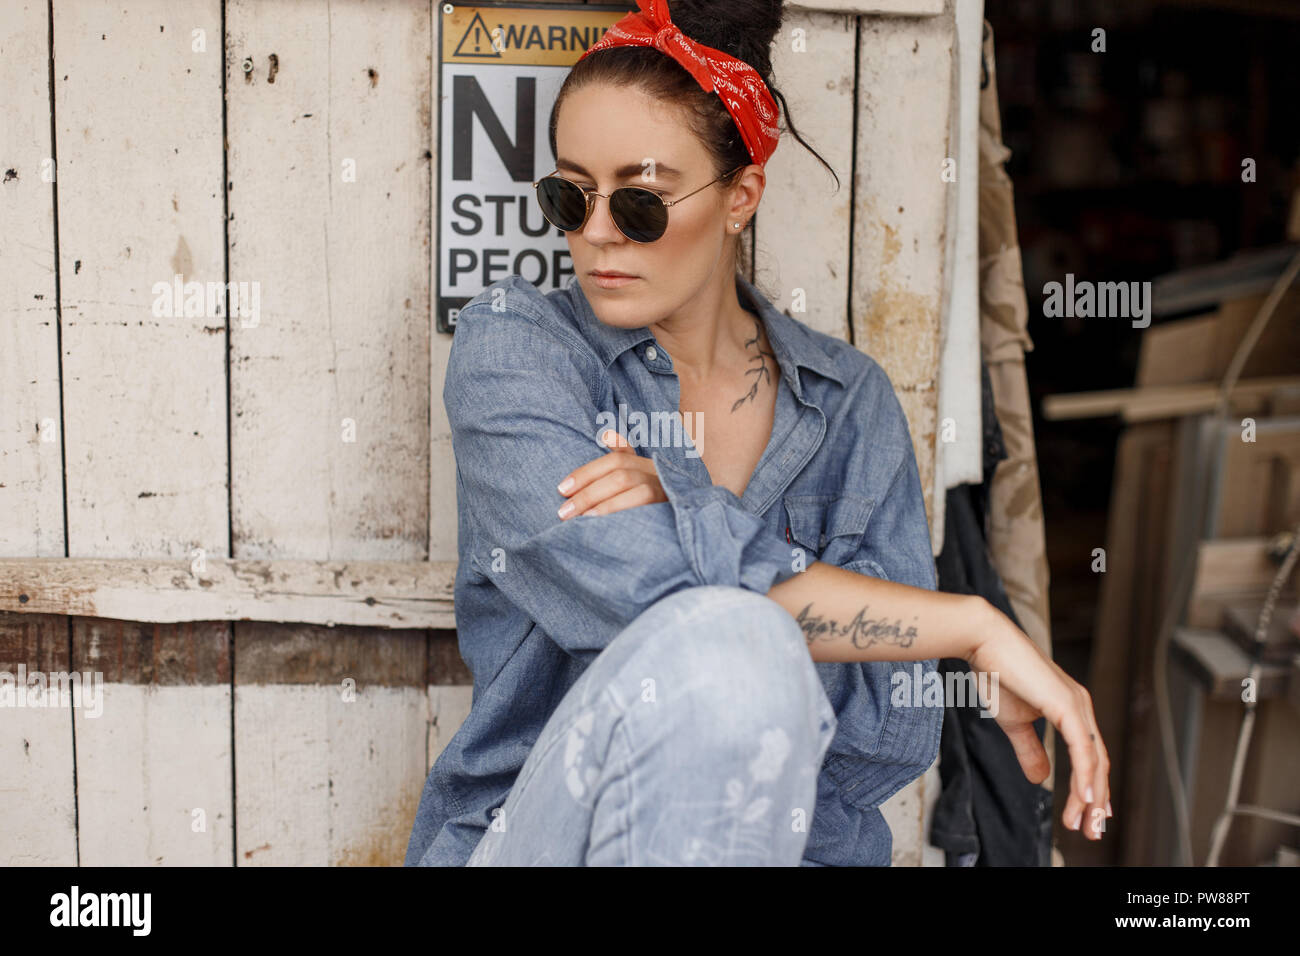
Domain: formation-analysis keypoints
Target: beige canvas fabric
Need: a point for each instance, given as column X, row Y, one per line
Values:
column 1017, row 542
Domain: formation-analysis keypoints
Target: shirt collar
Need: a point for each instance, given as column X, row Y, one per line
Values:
column 792, row 342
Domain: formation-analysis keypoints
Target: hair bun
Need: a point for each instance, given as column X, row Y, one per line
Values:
column 744, row 29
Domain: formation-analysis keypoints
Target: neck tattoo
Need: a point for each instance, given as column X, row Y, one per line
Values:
column 760, row 370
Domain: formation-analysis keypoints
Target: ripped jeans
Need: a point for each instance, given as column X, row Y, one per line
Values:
column 695, row 738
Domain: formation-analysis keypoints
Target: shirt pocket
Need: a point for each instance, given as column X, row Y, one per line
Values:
column 829, row 527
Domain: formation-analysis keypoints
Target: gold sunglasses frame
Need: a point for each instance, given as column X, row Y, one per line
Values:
column 590, row 196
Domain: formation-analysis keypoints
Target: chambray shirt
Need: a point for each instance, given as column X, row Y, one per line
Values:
column 538, row 598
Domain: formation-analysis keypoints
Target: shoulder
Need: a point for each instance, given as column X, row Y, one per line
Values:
column 513, row 324
column 515, row 302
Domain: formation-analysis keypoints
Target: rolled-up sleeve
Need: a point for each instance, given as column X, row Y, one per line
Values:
column 521, row 395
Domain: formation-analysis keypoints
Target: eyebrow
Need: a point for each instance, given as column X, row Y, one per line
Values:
column 623, row 172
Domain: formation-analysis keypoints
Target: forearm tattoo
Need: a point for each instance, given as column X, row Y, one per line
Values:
column 759, row 371
column 862, row 632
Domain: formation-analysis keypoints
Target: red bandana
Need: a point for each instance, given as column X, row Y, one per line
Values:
column 737, row 83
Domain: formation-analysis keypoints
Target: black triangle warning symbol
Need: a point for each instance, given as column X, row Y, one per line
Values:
column 477, row 41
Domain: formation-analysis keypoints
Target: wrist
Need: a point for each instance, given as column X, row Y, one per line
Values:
column 986, row 624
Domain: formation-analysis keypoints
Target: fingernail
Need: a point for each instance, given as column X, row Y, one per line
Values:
column 1074, row 824
column 1109, row 811
column 565, row 485
column 1087, row 794
column 566, row 509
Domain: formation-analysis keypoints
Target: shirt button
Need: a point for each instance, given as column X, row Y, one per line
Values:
column 651, row 353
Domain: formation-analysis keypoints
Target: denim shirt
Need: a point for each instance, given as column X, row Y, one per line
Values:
column 538, row 597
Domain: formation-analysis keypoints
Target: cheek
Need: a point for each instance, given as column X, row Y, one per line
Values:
column 692, row 242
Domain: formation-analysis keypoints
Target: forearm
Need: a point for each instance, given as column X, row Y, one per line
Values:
column 846, row 616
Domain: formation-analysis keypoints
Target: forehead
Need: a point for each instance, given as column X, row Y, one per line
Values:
column 602, row 130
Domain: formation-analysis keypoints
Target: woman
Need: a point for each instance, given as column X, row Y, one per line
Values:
column 705, row 646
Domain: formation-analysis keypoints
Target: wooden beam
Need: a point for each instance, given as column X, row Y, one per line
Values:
column 1229, row 571
column 1159, row 401
column 1234, row 564
column 387, row 594
column 1222, row 666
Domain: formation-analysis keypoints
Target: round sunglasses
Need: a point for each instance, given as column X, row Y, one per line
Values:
column 639, row 214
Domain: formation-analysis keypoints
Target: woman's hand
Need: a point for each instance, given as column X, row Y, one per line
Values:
column 1030, row 685
column 617, row 480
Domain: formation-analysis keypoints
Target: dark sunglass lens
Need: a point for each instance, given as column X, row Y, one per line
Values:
column 562, row 203
column 639, row 213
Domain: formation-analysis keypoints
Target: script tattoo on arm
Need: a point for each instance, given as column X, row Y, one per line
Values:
column 759, row 371
column 862, row 631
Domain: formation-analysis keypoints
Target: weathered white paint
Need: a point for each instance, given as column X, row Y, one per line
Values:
column 140, row 200
column 900, row 209
column 908, row 814
column 144, row 396
column 153, row 757
column 344, row 328
column 36, row 809
column 35, row 745
column 449, row 705
column 931, row 786
column 31, row 463
column 329, row 170
column 812, row 60
column 327, row 782
column 389, row 594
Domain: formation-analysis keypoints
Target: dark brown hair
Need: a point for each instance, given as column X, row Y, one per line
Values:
column 744, row 29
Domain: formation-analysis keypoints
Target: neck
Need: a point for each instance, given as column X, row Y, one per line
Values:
column 708, row 333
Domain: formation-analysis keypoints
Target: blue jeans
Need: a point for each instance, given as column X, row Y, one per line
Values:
column 695, row 738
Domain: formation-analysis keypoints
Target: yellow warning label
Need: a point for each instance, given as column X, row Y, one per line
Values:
column 522, row 35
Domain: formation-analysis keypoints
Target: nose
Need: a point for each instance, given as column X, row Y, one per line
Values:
column 600, row 228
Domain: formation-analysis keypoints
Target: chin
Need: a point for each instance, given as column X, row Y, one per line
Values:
column 626, row 314
column 621, row 318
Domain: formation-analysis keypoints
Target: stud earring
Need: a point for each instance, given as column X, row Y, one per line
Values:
column 735, row 225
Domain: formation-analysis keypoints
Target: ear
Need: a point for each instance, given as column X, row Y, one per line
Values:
column 749, row 190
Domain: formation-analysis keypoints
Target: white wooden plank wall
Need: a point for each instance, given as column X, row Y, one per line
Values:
column 900, row 208
column 329, row 165
column 301, row 744
column 137, row 124
column 35, row 744
column 805, row 269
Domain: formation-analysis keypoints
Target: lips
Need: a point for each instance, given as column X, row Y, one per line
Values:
column 612, row 275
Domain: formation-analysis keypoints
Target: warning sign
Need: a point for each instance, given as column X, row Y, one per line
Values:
column 501, row 68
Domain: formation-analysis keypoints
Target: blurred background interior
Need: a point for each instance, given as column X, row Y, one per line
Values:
column 1128, row 166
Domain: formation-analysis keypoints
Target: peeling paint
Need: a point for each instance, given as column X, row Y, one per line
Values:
column 384, row 843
